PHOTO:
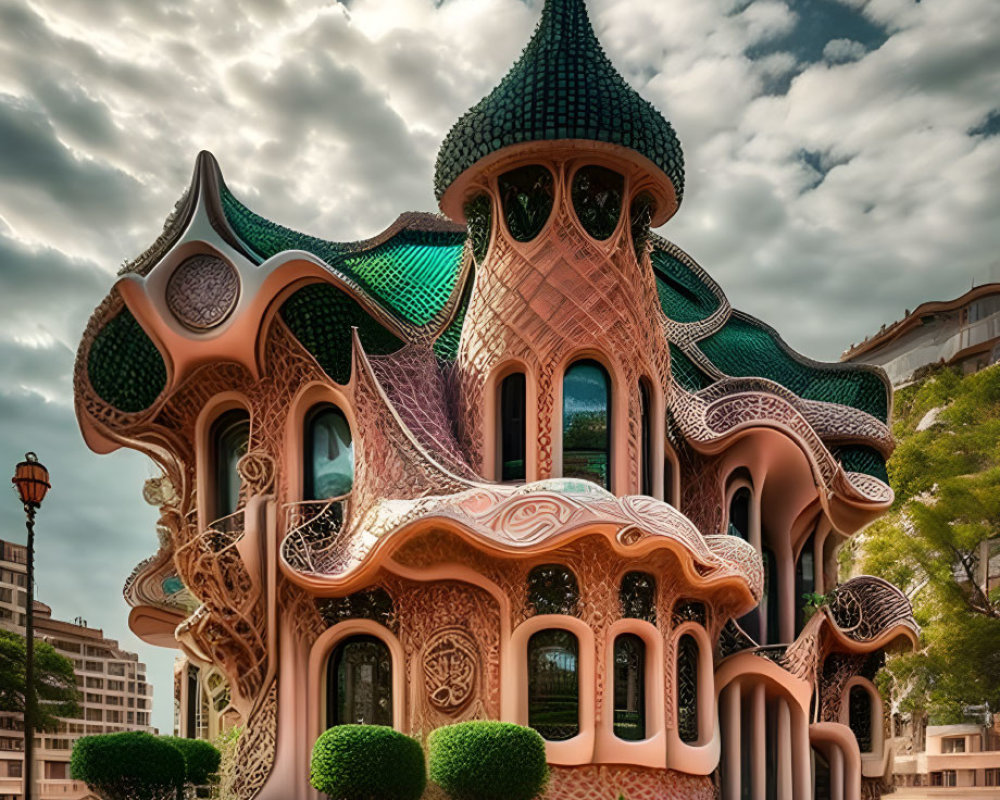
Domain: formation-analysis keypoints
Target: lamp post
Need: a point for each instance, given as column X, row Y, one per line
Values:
column 32, row 482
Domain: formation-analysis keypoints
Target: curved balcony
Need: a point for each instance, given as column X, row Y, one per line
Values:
column 316, row 541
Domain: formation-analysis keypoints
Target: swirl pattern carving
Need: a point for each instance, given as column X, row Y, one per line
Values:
column 202, row 291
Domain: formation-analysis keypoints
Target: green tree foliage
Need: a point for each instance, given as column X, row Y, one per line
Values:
column 367, row 762
column 937, row 541
column 55, row 681
column 201, row 759
column 487, row 760
column 128, row 766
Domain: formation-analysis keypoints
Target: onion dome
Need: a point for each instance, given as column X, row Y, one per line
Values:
column 562, row 87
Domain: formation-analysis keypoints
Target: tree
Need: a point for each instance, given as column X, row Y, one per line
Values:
column 128, row 766
column 55, row 681
column 938, row 541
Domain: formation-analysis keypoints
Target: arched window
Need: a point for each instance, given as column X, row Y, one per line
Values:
column 230, row 438
column 527, row 195
column 597, row 200
column 646, row 450
column 359, row 683
column 513, row 427
column 687, row 688
column 805, row 581
column 739, row 513
column 587, row 423
column 552, row 589
column 860, row 717
column 554, row 684
column 637, row 596
column 328, row 470
column 771, row 610
column 630, row 687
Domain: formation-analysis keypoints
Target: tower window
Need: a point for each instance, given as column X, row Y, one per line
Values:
column 597, row 200
column 512, row 427
column 527, row 195
column 687, row 688
column 586, row 423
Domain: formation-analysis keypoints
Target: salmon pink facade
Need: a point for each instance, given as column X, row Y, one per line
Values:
column 519, row 461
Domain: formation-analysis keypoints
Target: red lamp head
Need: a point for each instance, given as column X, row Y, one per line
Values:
column 31, row 480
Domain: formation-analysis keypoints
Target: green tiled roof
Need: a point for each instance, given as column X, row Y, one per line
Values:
column 745, row 347
column 412, row 273
column 321, row 317
column 446, row 345
column 683, row 296
column 125, row 367
column 858, row 458
column 562, row 87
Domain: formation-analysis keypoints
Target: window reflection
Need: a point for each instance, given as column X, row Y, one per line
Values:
column 512, row 427
column 230, row 442
column 554, row 684
column 329, row 454
column 586, row 423
column 630, row 687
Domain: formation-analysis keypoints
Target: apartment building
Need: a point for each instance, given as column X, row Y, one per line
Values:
column 114, row 693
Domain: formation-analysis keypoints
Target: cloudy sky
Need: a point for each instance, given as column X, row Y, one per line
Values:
column 843, row 164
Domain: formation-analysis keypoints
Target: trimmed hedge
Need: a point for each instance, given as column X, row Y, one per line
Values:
column 128, row 766
column 488, row 761
column 201, row 759
column 368, row 762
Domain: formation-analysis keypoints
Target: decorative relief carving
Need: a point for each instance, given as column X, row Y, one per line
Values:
column 202, row 291
column 450, row 666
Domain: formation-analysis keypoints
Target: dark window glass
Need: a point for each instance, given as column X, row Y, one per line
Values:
column 687, row 688
column 527, row 195
column 646, row 454
column 329, row 454
column 668, row 482
column 739, row 514
column 597, row 199
column 230, row 442
column 630, row 687
column 689, row 611
column 554, row 684
column 359, row 683
column 512, row 427
column 860, row 717
column 805, row 581
column 193, row 690
column 552, row 589
column 586, row 423
column 637, row 596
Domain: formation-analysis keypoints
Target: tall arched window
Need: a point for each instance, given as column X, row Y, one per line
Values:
column 805, row 581
column 328, row 470
column 554, row 684
column 668, row 483
column 687, row 688
column 527, row 195
column 230, row 438
column 646, row 453
column 739, row 514
column 587, row 423
column 860, row 717
column 513, row 428
column 630, row 687
column 359, row 683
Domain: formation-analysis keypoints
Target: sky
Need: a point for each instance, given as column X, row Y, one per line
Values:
column 843, row 164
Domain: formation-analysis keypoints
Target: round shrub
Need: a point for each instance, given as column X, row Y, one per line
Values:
column 201, row 759
column 367, row 762
column 488, row 761
column 128, row 766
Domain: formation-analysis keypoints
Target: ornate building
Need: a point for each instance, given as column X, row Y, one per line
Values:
column 520, row 461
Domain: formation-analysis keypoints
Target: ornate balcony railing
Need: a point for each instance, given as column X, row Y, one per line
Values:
column 224, row 532
column 315, row 539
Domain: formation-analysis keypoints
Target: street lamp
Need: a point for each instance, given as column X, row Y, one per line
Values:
column 32, row 482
